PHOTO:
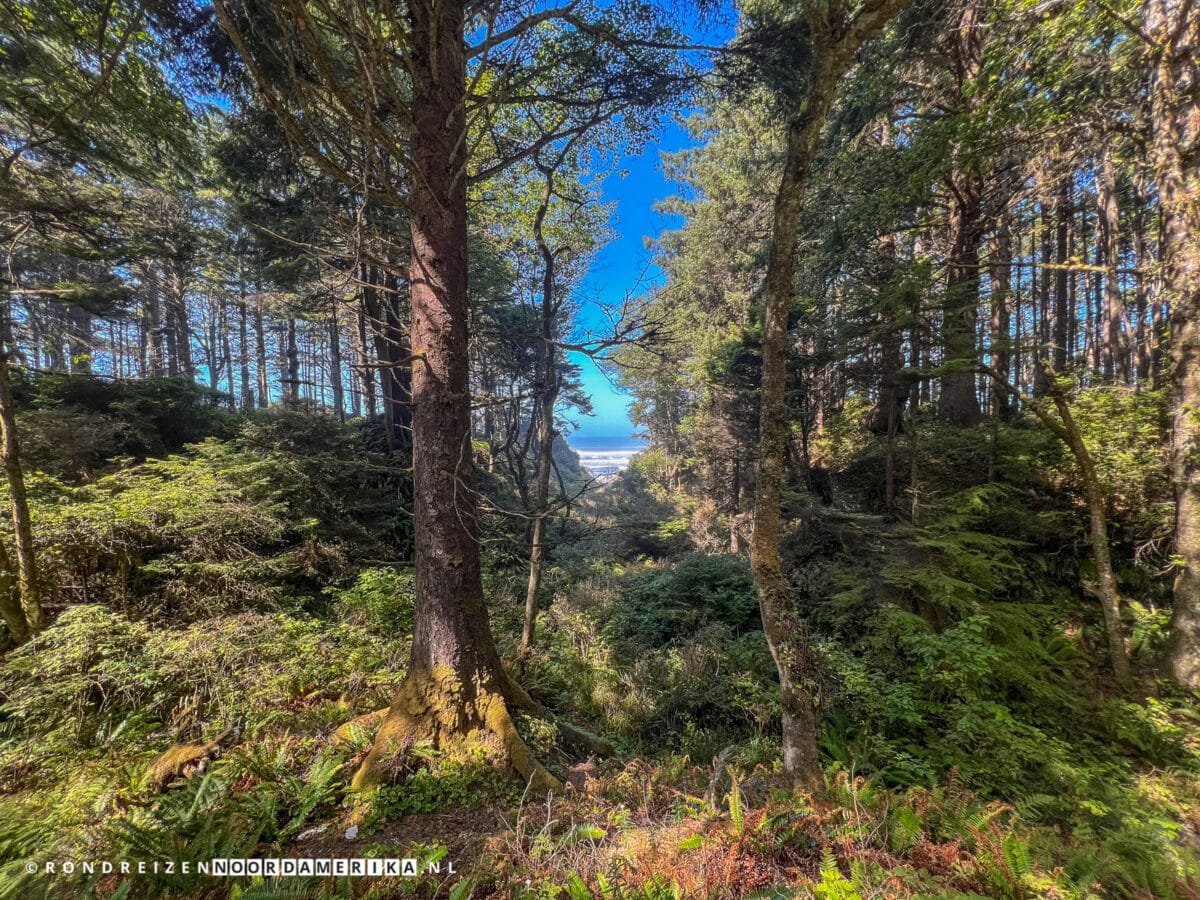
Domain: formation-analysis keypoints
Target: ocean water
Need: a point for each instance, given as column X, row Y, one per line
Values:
column 605, row 454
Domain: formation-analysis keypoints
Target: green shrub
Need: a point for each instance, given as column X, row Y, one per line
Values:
column 672, row 603
column 380, row 600
column 96, row 681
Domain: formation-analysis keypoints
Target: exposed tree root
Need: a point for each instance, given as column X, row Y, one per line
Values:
column 436, row 707
column 365, row 722
column 576, row 738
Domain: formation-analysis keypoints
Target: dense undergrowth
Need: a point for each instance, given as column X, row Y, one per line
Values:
column 230, row 592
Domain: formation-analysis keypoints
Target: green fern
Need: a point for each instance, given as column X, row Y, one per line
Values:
column 736, row 813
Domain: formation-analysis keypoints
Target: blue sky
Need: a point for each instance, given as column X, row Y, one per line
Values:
column 636, row 185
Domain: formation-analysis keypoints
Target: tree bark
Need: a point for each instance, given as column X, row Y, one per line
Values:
column 1062, row 216
column 10, row 601
column 546, row 390
column 335, row 362
column 79, row 340
column 455, row 682
column 1175, row 119
column 247, row 390
column 1104, row 588
column 834, row 44
column 260, row 352
column 1000, row 259
column 291, row 363
column 1115, row 350
column 152, row 322
column 182, row 363
column 959, row 402
column 28, row 588
column 366, row 370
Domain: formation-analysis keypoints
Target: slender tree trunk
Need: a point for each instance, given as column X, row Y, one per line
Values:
column 1105, row 587
column 1062, row 216
column 367, row 370
column 10, row 601
column 80, row 340
column 260, row 351
column 959, row 403
column 1000, row 259
column 152, row 323
column 180, row 327
column 291, row 363
column 335, row 362
column 546, row 391
column 1108, row 240
column 787, row 636
column 227, row 355
column 1018, row 362
column 246, row 388
column 1043, row 324
column 1175, row 119
column 1141, row 255
column 28, row 588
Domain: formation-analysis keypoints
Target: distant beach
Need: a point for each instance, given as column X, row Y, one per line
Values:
column 605, row 454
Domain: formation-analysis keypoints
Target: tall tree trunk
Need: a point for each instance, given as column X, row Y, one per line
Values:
column 546, row 391
column 246, row 388
column 335, row 362
column 10, row 601
column 1141, row 256
column 79, row 340
column 455, row 682
column 366, row 370
column 400, row 367
column 291, row 363
column 959, row 403
column 1175, row 119
column 1000, row 266
column 786, row 633
column 152, row 323
column 1062, row 226
column 1115, row 360
column 380, row 298
column 227, row 354
column 28, row 588
column 787, row 636
column 181, row 329
column 260, row 351
column 1043, row 300
column 1018, row 362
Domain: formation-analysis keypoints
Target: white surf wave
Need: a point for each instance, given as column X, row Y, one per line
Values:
column 605, row 462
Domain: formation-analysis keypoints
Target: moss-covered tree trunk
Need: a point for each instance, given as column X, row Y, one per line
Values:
column 958, row 402
column 456, row 687
column 1104, row 588
column 546, row 390
column 10, row 600
column 836, row 36
column 25, row 556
